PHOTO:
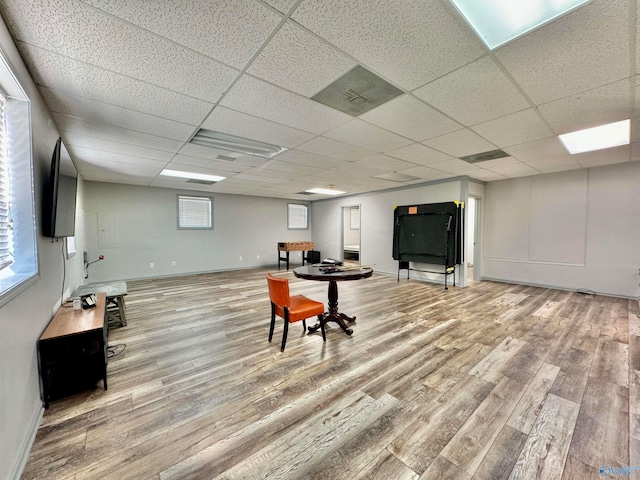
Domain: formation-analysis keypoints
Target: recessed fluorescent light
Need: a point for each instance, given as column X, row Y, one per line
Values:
column 231, row 143
column 195, row 176
column 325, row 191
column 597, row 138
column 499, row 21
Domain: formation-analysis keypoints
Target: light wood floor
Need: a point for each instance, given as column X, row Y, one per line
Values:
column 492, row 381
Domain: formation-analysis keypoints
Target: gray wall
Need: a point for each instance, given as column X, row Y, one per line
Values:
column 578, row 229
column 376, row 222
column 134, row 226
column 25, row 316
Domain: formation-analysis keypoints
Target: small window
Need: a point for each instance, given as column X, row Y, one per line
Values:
column 195, row 212
column 298, row 216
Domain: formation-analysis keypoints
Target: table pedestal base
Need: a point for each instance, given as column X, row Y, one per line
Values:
column 333, row 315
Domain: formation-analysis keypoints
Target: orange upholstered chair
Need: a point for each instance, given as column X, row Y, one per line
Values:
column 291, row 309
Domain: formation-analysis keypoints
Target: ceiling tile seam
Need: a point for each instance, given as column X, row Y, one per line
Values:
column 236, row 79
column 123, row 143
column 114, row 105
column 146, row 82
column 119, row 127
column 520, row 90
column 70, row 144
column 166, row 39
column 348, row 55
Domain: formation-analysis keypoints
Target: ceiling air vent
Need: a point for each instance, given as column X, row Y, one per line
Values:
column 356, row 92
column 484, row 156
column 201, row 182
column 304, row 193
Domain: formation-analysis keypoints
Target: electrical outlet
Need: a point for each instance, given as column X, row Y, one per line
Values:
column 173, row 263
column 241, row 258
column 151, row 265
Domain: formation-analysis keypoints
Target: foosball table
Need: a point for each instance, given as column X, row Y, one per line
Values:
column 293, row 247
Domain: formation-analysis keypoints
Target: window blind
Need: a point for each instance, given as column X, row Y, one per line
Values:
column 297, row 214
column 194, row 212
column 6, row 241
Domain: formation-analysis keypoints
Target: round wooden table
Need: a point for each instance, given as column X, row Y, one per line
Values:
column 333, row 315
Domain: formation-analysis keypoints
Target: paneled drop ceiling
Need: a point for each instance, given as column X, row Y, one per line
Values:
column 130, row 82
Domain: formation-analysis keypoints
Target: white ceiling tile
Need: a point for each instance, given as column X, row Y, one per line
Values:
column 486, row 175
column 114, row 134
column 72, row 139
column 332, row 148
column 120, row 178
column 521, row 127
column 475, row 93
column 420, row 154
column 94, row 111
column 460, row 143
column 281, row 5
column 185, row 163
column 98, row 157
column 426, row 173
column 411, row 118
column 498, row 162
column 228, row 31
column 599, row 106
column 385, row 162
column 298, row 61
column 579, row 51
column 240, row 124
column 308, row 158
column 363, row 134
column 515, row 170
column 607, row 156
column 258, row 98
column 455, row 166
column 79, row 31
column 538, row 149
column 408, row 42
column 118, row 168
column 291, row 168
column 259, row 178
column 78, row 78
column 556, row 164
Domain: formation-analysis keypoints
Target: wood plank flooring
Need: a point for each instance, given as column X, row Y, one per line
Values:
column 493, row 381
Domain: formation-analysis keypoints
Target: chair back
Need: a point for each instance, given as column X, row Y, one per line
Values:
column 278, row 290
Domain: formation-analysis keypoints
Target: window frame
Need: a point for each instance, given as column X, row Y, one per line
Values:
column 25, row 270
column 179, row 211
column 306, row 216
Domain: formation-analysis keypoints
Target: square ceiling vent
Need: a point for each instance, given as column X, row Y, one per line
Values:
column 356, row 92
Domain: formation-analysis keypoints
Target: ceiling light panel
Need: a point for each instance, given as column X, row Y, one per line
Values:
column 232, row 143
column 325, row 191
column 597, row 138
column 191, row 175
column 499, row 21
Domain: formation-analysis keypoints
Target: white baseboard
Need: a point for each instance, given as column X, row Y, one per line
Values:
column 25, row 448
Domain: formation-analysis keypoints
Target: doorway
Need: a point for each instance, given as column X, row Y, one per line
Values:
column 350, row 241
column 472, row 241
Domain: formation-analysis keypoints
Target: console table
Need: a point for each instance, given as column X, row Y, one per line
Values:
column 115, row 292
column 72, row 350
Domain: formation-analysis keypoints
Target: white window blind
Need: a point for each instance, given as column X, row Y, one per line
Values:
column 195, row 212
column 6, row 236
column 298, row 217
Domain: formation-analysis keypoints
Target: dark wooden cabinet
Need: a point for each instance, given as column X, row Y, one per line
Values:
column 72, row 351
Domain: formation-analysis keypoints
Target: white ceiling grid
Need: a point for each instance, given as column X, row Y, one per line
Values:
column 130, row 82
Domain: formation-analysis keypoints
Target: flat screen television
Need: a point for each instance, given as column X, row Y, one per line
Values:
column 60, row 195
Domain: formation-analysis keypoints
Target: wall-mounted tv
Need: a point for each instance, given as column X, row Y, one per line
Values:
column 60, row 197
